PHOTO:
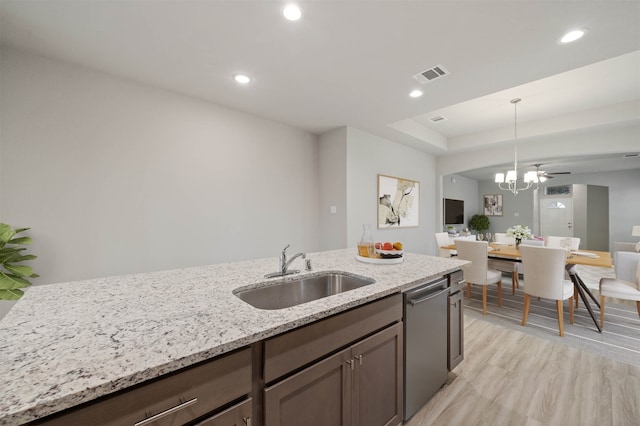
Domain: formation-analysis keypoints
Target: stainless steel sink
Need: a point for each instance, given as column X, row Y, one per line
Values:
column 285, row 294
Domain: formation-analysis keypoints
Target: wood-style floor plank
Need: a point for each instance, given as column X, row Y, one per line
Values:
column 513, row 378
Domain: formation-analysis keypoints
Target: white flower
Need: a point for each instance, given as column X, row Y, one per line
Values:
column 519, row 232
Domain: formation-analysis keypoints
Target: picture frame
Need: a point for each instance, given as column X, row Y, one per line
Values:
column 398, row 202
column 493, row 205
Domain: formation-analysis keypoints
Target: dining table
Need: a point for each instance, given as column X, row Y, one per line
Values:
column 595, row 258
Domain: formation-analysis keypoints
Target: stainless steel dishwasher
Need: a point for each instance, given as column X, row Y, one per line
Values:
column 425, row 343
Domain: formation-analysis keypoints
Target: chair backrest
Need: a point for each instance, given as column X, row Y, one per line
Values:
column 501, row 237
column 628, row 266
column 442, row 239
column 619, row 246
column 543, row 271
column 539, row 243
column 476, row 253
column 556, row 242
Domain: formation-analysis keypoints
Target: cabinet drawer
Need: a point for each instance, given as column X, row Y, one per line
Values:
column 238, row 415
column 181, row 396
column 292, row 350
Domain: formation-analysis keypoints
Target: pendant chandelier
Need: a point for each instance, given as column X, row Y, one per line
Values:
column 510, row 181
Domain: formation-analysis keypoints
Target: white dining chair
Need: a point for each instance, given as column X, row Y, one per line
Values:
column 621, row 246
column 626, row 284
column 478, row 272
column 502, row 237
column 442, row 239
column 557, row 242
column 544, row 278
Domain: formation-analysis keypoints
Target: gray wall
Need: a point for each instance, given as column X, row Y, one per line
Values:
column 368, row 156
column 461, row 188
column 333, row 189
column 116, row 177
column 516, row 209
column 623, row 207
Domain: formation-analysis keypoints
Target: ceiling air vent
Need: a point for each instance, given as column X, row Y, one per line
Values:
column 431, row 74
column 630, row 155
column 437, row 119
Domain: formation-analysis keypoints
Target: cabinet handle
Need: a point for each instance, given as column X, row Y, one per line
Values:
column 351, row 363
column 461, row 282
column 247, row 421
column 359, row 358
column 166, row 412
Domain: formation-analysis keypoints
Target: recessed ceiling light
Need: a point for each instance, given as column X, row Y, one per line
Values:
column 292, row 12
column 415, row 93
column 572, row 36
column 242, row 78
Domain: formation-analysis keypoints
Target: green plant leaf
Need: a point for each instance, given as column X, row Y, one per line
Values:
column 11, row 282
column 23, row 240
column 13, row 294
column 9, row 255
column 6, row 233
column 25, row 257
column 19, row 270
column 18, row 230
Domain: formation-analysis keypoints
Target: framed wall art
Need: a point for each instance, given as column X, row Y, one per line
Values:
column 398, row 202
column 493, row 205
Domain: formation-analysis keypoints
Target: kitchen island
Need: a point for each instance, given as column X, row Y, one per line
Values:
column 69, row 343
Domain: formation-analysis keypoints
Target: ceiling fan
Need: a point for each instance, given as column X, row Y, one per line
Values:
column 542, row 175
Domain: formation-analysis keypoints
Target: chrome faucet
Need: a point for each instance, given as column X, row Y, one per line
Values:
column 285, row 263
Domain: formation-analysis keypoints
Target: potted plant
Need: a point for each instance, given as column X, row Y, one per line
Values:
column 13, row 276
column 479, row 222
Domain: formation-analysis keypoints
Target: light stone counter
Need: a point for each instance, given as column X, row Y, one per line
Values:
column 64, row 344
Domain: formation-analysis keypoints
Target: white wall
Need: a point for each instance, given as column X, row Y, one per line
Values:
column 116, row 177
column 368, row 156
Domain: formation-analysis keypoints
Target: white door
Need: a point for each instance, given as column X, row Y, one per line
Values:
column 556, row 217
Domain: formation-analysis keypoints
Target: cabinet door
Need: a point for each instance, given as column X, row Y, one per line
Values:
column 318, row 395
column 455, row 336
column 238, row 415
column 377, row 394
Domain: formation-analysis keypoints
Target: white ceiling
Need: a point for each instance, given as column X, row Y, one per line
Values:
column 350, row 62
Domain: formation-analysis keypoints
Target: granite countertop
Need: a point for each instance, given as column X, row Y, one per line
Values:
column 68, row 343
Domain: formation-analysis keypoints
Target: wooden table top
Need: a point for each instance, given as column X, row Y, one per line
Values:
column 512, row 252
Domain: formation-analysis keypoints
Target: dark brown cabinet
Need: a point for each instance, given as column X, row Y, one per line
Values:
column 360, row 385
column 238, row 415
column 174, row 399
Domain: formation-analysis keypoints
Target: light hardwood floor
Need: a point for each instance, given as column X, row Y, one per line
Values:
column 513, row 378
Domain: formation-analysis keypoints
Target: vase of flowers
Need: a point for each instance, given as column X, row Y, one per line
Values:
column 520, row 233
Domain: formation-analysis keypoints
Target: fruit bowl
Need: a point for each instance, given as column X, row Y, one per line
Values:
column 389, row 254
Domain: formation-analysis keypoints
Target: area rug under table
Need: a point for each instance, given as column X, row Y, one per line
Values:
column 620, row 339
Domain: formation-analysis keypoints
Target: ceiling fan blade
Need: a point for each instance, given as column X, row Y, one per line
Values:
column 559, row 173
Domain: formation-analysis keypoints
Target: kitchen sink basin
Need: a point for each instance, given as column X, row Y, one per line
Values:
column 289, row 293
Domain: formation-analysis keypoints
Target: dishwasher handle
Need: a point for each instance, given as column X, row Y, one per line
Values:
column 430, row 296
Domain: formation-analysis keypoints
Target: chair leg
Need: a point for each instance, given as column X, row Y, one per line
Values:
column 513, row 282
column 602, row 311
column 571, row 310
column 499, row 293
column 525, row 312
column 560, row 317
column 468, row 290
column 484, row 300
column 638, row 307
column 575, row 296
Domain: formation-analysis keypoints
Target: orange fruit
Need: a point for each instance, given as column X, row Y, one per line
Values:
column 397, row 245
column 387, row 246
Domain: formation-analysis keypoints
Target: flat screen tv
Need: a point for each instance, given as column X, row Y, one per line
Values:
column 453, row 212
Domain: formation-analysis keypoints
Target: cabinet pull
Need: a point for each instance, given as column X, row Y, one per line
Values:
column 247, row 421
column 166, row 412
column 351, row 363
column 359, row 358
column 461, row 282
